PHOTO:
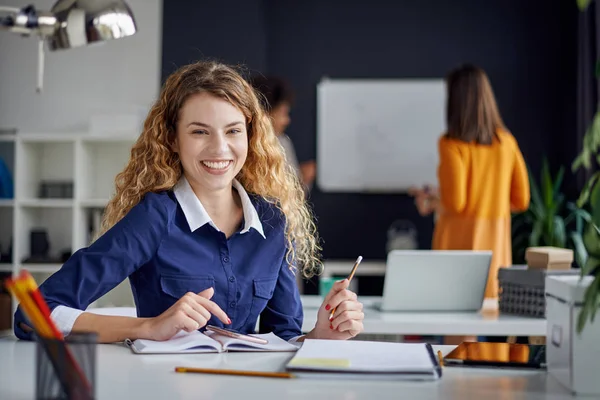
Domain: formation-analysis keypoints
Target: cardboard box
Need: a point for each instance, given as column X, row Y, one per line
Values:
column 547, row 257
column 572, row 359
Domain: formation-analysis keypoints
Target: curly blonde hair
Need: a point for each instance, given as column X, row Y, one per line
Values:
column 154, row 167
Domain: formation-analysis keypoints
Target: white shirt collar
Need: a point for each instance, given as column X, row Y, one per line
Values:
column 196, row 214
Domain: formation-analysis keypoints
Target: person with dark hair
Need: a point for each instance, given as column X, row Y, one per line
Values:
column 278, row 98
column 482, row 175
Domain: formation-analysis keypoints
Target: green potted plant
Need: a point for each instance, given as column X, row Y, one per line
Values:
column 549, row 220
column 589, row 199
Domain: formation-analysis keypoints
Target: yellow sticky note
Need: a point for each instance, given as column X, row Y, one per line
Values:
column 320, row 362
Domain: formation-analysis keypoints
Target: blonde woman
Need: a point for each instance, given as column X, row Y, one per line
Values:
column 208, row 223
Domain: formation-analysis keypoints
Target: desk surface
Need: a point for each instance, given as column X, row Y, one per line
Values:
column 123, row 375
column 484, row 323
column 487, row 322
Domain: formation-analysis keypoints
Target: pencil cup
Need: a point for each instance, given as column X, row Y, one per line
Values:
column 66, row 369
column 325, row 284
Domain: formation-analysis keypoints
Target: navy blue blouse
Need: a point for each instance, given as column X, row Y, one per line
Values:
column 156, row 246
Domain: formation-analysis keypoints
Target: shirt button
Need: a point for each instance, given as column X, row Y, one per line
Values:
column 231, row 279
column 225, row 259
column 232, row 304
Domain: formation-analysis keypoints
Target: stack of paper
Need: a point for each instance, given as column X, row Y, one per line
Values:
column 363, row 359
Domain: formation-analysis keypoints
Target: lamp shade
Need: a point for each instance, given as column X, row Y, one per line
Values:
column 84, row 22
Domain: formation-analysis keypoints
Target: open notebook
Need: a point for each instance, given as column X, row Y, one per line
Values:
column 208, row 342
column 356, row 359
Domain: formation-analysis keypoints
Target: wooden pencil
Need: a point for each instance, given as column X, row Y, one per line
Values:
column 263, row 374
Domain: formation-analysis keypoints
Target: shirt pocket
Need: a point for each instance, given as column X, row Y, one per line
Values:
column 262, row 292
column 178, row 285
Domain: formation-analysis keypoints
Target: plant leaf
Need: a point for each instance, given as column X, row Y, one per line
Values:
column 580, row 251
column 578, row 162
column 595, row 202
column 587, row 189
column 578, row 213
column 546, row 184
column 558, row 183
column 591, row 143
column 559, row 232
column 591, row 296
column 591, row 264
column 595, row 133
column 583, row 4
column 536, row 199
column 591, row 239
column 536, row 233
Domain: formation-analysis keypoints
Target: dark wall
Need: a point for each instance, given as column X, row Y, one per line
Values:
column 230, row 31
column 527, row 48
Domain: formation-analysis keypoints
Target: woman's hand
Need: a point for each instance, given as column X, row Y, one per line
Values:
column 190, row 313
column 426, row 200
column 347, row 320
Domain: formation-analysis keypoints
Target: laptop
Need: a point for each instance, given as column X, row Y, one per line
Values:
column 435, row 280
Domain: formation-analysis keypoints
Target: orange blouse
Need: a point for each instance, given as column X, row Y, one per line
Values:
column 479, row 185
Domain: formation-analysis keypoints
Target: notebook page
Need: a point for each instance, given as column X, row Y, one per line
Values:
column 275, row 343
column 180, row 343
column 356, row 355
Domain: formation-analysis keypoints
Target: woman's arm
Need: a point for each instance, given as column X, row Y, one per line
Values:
column 189, row 313
column 452, row 177
column 112, row 328
column 93, row 271
column 519, row 188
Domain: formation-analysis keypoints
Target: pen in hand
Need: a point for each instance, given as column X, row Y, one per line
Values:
column 350, row 276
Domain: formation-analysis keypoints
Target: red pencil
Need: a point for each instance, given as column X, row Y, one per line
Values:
column 35, row 294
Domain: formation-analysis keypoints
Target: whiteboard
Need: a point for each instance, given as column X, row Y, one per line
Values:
column 378, row 135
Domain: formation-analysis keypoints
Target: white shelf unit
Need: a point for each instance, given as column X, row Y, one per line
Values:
column 7, row 155
column 90, row 163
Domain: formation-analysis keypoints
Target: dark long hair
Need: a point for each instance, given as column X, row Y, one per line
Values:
column 471, row 111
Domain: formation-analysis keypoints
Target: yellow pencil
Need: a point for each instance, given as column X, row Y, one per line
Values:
column 284, row 375
column 350, row 276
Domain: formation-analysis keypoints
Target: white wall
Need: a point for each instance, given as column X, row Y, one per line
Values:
column 119, row 75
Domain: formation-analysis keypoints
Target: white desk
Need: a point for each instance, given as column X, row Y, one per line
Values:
column 484, row 323
column 343, row 267
column 123, row 375
column 487, row 322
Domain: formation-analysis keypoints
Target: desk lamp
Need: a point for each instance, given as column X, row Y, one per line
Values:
column 69, row 24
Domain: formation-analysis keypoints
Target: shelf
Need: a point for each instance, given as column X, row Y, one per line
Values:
column 43, row 162
column 51, row 228
column 94, row 203
column 40, row 267
column 7, row 137
column 128, row 140
column 48, row 137
column 57, row 220
column 6, row 267
column 6, row 232
column 46, row 203
column 98, row 165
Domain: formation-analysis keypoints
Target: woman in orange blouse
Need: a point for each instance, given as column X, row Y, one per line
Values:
column 482, row 175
